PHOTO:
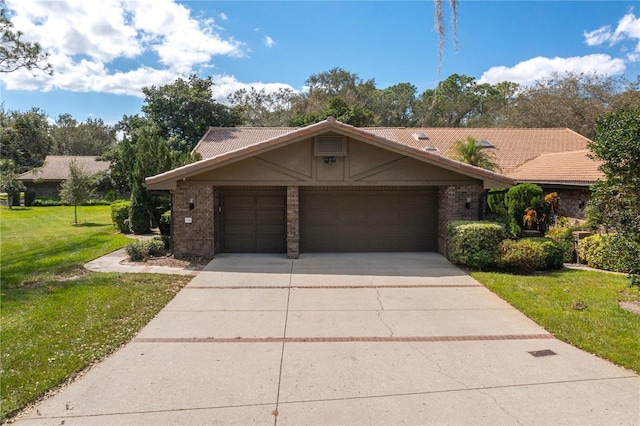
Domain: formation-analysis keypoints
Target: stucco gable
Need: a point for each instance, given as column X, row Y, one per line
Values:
column 295, row 147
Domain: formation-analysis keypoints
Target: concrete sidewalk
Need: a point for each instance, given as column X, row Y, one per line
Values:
column 112, row 262
column 370, row 338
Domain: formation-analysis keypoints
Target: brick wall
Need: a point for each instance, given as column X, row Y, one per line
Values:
column 293, row 222
column 571, row 201
column 195, row 239
column 452, row 205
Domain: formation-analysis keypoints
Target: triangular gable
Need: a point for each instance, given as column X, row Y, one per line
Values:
column 205, row 169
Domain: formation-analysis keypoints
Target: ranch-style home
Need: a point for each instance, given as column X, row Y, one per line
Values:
column 45, row 181
column 333, row 187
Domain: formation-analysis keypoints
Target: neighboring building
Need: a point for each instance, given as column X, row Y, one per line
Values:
column 332, row 187
column 570, row 174
column 45, row 181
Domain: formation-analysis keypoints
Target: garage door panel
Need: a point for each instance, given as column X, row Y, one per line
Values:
column 253, row 221
column 368, row 220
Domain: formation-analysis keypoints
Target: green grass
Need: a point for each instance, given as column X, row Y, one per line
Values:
column 578, row 307
column 58, row 318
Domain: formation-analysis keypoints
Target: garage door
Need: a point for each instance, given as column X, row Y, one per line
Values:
column 368, row 220
column 253, row 221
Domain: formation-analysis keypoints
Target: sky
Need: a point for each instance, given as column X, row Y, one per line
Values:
column 104, row 52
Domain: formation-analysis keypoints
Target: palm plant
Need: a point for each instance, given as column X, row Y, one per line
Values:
column 471, row 152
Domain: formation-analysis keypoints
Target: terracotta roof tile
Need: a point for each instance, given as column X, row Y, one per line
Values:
column 563, row 167
column 56, row 167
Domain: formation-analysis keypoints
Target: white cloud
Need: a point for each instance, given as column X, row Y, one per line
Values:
column 223, row 16
column 89, row 40
column 224, row 85
column 628, row 29
column 268, row 41
column 529, row 71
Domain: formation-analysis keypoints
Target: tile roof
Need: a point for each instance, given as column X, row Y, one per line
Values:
column 574, row 167
column 513, row 147
column 56, row 167
column 220, row 146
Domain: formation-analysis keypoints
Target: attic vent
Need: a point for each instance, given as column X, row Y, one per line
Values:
column 485, row 143
column 334, row 146
column 420, row 136
column 430, row 148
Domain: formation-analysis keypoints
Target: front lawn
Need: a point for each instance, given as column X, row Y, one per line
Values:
column 578, row 307
column 57, row 318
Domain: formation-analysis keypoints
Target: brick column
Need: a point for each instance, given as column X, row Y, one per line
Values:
column 193, row 218
column 293, row 222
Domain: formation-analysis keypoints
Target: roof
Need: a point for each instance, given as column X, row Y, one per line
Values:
column 56, row 167
column 572, row 167
column 513, row 147
column 220, row 146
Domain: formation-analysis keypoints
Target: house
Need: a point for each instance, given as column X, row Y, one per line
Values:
column 45, row 181
column 569, row 173
column 332, row 187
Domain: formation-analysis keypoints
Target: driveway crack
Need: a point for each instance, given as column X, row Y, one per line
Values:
column 380, row 312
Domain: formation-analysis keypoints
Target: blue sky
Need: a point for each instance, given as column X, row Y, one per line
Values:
column 104, row 52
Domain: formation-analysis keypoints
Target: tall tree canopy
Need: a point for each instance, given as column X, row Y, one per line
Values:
column 15, row 53
column 25, row 138
column 91, row 137
column 183, row 110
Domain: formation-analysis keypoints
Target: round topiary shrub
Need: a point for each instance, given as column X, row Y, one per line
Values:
column 530, row 254
column 120, row 216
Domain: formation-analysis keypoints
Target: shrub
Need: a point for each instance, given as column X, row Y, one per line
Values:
column 164, row 224
column 474, row 244
column 518, row 199
column 120, row 216
column 29, row 197
column 604, row 252
column 530, row 254
column 47, row 202
column 563, row 235
column 139, row 217
column 143, row 249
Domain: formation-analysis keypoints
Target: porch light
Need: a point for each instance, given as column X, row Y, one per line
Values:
column 467, row 205
column 191, row 204
column 581, row 204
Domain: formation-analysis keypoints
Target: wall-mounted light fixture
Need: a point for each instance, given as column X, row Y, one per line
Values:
column 581, row 204
column 467, row 204
column 192, row 205
column 329, row 160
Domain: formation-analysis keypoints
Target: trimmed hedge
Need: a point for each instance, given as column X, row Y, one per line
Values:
column 164, row 224
column 530, row 254
column 474, row 244
column 604, row 252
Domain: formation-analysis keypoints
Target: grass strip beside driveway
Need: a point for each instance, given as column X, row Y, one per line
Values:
column 578, row 307
column 57, row 318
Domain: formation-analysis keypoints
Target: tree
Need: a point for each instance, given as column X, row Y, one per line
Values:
column 76, row 189
column 91, row 137
column 15, row 53
column 341, row 111
column 9, row 182
column 262, row 108
column 616, row 200
column 25, row 138
column 324, row 87
column 571, row 100
column 471, row 152
column 395, row 106
column 183, row 111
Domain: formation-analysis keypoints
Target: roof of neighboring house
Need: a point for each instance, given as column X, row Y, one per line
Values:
column 513, row 147
column 220, row 146
column 572, row 167
column 56, row 168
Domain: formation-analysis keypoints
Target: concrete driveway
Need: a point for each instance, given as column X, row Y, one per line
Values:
column 344, row 339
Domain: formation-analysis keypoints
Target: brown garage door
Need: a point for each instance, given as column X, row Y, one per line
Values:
column 253, row 221
column 401, row 219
